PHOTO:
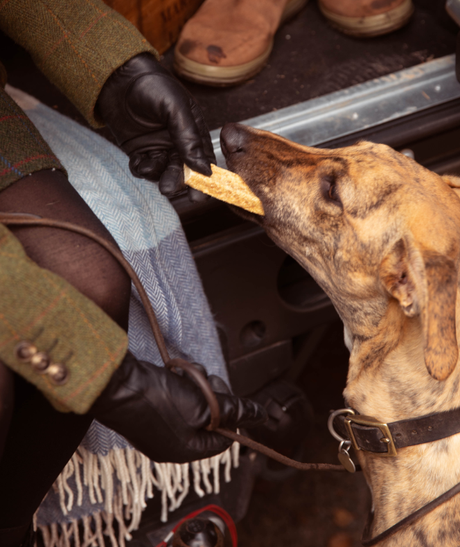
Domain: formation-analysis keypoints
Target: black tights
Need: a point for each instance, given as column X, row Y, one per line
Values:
column 40, row 440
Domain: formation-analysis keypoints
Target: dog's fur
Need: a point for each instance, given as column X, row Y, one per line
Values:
column 381, row 235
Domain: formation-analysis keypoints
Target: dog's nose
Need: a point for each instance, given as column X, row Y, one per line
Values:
column 233, row 138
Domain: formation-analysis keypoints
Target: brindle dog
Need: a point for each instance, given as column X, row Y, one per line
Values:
column 381, row 235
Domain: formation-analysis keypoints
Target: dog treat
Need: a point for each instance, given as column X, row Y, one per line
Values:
column 226, row 186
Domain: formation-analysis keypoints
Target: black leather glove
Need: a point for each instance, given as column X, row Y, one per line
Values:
column 163, row 414
column 157, row 123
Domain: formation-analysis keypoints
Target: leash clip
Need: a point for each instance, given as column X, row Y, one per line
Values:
column 330, row 422
column 345, row 444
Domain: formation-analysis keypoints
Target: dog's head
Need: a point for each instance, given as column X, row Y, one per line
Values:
column 377, row 231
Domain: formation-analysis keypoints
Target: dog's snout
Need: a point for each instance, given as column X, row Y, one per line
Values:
column 233, row 138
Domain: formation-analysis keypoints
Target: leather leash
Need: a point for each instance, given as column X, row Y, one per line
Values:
column 365, row 431
column 366, row 539
column 25, row 219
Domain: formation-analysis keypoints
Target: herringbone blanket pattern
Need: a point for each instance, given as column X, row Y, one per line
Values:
column 149, row 233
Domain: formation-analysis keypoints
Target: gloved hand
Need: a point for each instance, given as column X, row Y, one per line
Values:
column 164, row 415
column 157, row 123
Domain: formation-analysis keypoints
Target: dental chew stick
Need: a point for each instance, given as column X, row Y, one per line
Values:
column 226, row 186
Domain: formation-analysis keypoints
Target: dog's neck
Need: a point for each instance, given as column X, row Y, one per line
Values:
column 397, row 388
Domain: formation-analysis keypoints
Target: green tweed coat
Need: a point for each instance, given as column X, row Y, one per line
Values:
column 77, row 44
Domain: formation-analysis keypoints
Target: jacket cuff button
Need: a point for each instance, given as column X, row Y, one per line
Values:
column 58, row 373
column 40, row 362
column 25, row 351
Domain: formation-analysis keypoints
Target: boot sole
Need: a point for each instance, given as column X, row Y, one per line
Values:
column 374, row 25
column 230, row 75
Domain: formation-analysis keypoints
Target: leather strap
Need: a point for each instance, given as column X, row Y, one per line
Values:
column 367, row 541
column 371, row 438
column 26, row 219
column 423, row 429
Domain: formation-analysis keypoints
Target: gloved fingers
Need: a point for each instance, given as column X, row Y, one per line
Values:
column 240, row 412
column 186, row 138
column 200, row 368
column 218, row 385
column 172, row 178
column 148, row 165
column 204, row 131
column 195, row 196
column 209, row 444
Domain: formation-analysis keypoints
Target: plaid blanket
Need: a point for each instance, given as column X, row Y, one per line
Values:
column 107, row 479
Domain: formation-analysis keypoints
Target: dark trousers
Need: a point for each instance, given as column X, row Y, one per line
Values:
column 39, row 441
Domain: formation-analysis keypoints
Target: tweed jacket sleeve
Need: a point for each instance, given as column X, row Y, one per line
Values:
column 51, row 334
column 77, row 44
column 77, row 346
column 22, row 148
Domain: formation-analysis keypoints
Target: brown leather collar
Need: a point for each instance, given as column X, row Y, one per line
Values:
column 368, row 434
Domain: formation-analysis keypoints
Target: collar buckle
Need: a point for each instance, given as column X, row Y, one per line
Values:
column 369, row 421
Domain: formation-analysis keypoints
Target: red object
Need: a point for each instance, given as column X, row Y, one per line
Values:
column 213, row 509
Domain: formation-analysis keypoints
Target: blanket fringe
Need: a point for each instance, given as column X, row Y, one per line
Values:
column 123, row 480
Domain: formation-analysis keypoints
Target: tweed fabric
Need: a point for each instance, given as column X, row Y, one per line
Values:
column 77, row 44
column 22, row 149
column 43, row 308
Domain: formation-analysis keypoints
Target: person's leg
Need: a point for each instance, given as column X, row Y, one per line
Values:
column 80, row 260
column 39, row 443
column 41, row 440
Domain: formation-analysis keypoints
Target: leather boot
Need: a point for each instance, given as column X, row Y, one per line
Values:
column 228, row 41
column 366, row 18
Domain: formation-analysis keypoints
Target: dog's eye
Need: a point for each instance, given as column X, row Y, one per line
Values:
column 332, row 192
column 330, row 189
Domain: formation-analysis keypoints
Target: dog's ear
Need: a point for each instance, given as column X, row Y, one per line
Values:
column 425, row 284
column 451, row 180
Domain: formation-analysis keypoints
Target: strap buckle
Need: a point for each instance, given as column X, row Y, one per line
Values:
column 369, row 421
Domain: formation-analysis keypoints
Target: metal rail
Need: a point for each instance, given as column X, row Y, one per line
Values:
column 360, row 107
